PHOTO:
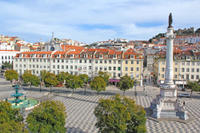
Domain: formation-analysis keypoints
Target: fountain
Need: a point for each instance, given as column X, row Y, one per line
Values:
column 20, row 101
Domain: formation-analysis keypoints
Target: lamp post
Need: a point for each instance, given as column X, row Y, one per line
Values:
column 40, row 83
column 135, row 84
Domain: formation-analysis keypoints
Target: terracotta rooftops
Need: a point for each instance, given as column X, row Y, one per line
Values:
column 81, row 52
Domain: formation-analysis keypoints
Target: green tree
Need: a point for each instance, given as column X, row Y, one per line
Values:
column 62, row 76
column 120, row 115
column 11, row 120
column 11, row 75
column 193, row 86
column 105, row 76
column 50, row 80
column 43, row 75
column 125, row 83
column 84, row 78
column 73, row 82
column 30, row 79
column 98, row 84
column 48, row 117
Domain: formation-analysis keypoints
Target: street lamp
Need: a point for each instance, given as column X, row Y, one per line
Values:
column 135, row 84
column 40, row 83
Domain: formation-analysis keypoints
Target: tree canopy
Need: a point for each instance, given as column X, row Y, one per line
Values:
column 105, row 76
column 125, row 83
column 120, row 115
column 11, row 120
column 73, row 82
column 98, row 84
column 62, row 76
column 84, row 78
column 11, row 75
column 30, row 79
column 48, row 117
column 50, row 79
column 43, row 74
column 194, row 86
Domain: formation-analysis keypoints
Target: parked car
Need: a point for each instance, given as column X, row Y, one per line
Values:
column 184, row 95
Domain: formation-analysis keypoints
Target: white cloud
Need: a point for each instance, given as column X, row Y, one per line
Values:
column 63, row 17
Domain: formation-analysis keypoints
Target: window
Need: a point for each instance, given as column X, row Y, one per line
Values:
column 182, row 77
column 114, row 61
column 192, row 76
column 58, row 66
column 71, row 61
column 163, row 69
column 90, row 61
column 96, row 61
column 183, row 63
column 126, row 68
column 197, row 69
column 119, row 74
column 119, row 61
column 85, row 61
column 71, row 67
column 62, row 66
column 131, row 68
column 114, row 68
column 101, row 68
column 105, row 61
column 137, row 68
column 16, row 65
column 188, row 70
column 163, row 76
column 110, row 61
column 197, row 76
column 187, row 76
column 193, row 63
column 183, row 69
column 66, row 66
column 80, row 61
column 188, row 63
column 53, row 66
column 100, row 61
column 132, row 62
column 76, row 67
column 138, row 62
column 126, row 62
column 119, row 68
column 176, row 69
column 96, row 68
column 105, row 68
column 175, row 76
column 192, row 69
column 110, row 68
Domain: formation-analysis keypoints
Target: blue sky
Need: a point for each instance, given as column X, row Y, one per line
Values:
column 94, row 20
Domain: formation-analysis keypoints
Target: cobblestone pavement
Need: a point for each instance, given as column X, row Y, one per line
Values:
column 80, row 107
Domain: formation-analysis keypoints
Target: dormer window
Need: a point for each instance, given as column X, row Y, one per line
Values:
column 132, row 56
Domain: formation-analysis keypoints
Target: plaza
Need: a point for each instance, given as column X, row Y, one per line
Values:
column 80, row 107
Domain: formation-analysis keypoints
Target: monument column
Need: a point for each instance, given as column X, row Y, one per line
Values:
column 169, row 57
column 166, row 105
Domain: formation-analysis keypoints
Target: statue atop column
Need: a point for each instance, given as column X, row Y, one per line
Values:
column 170, row 20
